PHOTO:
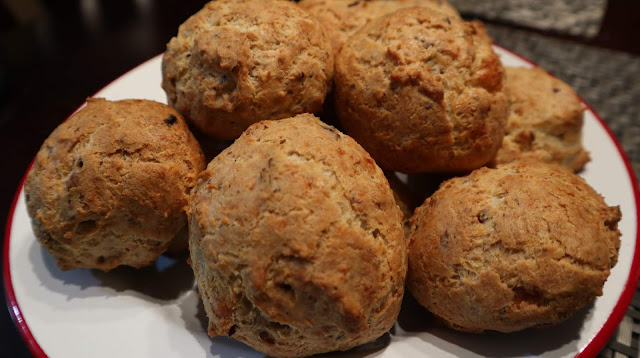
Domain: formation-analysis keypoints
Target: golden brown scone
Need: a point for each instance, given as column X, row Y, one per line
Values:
column 296, row 241
column 342, row 18
column 545, row 121
column 422, row 92
column 523, row 245
column 237, row 62
column 110, row 185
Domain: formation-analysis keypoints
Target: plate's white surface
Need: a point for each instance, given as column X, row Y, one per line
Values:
column 155, row 312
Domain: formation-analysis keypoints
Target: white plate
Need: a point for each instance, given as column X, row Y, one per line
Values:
column 155, row 312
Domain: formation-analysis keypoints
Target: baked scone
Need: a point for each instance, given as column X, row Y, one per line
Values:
column 110, row 185
column 422, row 92
column 545, row 121
column 523, row 245
column 296, row 241
column 342, row 18
column 237, row 62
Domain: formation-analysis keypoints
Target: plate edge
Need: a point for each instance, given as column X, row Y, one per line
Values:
column 12, row 303
column 591, row 349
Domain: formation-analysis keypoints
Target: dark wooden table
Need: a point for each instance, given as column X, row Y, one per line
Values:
column 68, row 50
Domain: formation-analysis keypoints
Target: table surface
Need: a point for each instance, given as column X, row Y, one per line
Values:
column 70, row 50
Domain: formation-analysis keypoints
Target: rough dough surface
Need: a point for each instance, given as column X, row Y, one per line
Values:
column 545, row 121
column 342, row 18
column 523, row 245
column 110, row 185
column 237, row 62
column 422, row 92
column 296, row 241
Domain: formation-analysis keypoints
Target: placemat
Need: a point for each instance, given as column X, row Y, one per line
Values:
column 573, row 17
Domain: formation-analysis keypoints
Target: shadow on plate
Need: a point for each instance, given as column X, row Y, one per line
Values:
column 196, row 322
column 366, row 350
column 201, row 315
column 416, row 320
column 210, row 147
column 165, row 280
column 225, row 347
column 423, row 186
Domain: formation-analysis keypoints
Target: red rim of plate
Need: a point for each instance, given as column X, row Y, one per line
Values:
column 592, row 348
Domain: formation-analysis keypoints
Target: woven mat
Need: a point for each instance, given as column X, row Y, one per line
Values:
column 610, row 82
column 573, row 17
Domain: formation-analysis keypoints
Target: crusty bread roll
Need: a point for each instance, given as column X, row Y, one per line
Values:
column 110, row 185
column 523, row 245
column 237, row 62
column 422, row 92
column 296, row 241
column 545, row 120
column 342, row 18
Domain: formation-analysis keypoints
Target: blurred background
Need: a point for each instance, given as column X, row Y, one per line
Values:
column 54, row 54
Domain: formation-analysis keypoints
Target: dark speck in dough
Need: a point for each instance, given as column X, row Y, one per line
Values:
column 171, row 120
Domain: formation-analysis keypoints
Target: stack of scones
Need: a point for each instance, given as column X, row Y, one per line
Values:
column 295, row 237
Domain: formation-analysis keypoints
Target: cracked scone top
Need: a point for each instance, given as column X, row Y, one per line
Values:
column 296, row 241
column 237, row 62
column 422, row 92
column 523, row 245
column 545, row 120
column 342, row 18
column 110, row 185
